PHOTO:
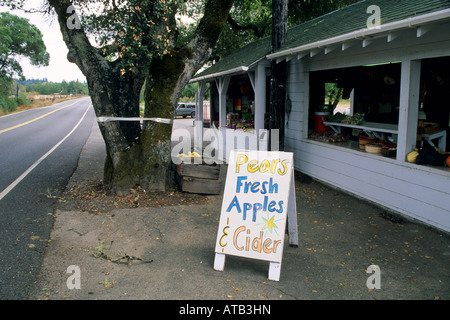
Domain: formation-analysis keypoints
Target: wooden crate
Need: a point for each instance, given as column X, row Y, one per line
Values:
column 199, row 171
column 201, row 186
column 199, row 178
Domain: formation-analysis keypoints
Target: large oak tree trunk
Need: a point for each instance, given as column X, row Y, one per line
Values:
column 135, row 155
column 147, row 160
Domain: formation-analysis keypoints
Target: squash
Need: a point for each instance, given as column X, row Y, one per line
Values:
column 411, row 157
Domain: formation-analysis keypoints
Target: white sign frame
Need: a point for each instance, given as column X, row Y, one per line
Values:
column 258, row 205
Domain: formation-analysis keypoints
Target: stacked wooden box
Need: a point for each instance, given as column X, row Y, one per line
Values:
column 199, row 178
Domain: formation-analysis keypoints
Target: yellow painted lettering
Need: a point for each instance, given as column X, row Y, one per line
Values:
column 283, row 163
column 274, row 164
column 242, row 158
column 223, row 236
column 265, row 166
column 253, row 166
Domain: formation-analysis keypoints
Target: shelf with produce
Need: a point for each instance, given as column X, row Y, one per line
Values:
column 338, row 120
column 379, row 130
column 364, row 144
column 371, row 134
column 366, row 126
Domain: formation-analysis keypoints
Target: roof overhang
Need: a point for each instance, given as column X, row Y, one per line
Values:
column 231, row 72
column 238, row 70
column 421, row 23
column 418, row 22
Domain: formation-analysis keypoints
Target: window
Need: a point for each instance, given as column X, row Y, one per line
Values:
column 433, row 124
column 351, row 104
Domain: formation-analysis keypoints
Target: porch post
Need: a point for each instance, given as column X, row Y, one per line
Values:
column 260, row 96
column 222, row 88
column 409, row 107
column 198, row 133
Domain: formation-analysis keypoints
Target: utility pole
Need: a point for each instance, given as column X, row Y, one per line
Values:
column 279, row 71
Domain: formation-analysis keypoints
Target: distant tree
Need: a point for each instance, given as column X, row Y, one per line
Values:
column 19, row 38
column 72, row 87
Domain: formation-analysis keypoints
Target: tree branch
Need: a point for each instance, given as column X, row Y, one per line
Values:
column 256, row 31
column 209, row 29
column 61, row 8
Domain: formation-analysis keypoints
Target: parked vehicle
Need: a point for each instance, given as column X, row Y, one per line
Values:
column 185, row 109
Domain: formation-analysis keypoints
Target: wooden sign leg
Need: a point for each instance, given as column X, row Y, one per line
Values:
column 274, row 271
column 219, row 262
column 292, row 215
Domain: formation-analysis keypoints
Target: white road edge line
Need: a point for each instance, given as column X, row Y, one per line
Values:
column 23, row 175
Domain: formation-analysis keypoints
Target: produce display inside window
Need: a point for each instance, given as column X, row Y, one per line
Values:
column 359, row 100
column 373, row 145
column 339, row 117
column 234, row 122
column 329, row 137
column 429, row 155
column 242, row 118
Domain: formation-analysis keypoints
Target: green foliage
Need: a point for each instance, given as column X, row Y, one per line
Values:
column 6, row 86
column 7, row 89
column 6, row 104
column 65, row 88
column 304, row 10
column 190, row 90
column 254, row 16
column 332, row 93
column 252, row 19
column 19, row 38
column 22, row 100
column 131, row 32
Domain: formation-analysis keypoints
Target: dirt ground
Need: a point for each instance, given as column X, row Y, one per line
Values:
column 160, row 246
column 95, row 198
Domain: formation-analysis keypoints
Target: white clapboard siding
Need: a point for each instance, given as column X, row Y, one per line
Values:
column 419, row 192
column 402, row 192
column 377, row 170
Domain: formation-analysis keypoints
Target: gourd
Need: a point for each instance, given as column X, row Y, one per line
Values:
column 411, row 157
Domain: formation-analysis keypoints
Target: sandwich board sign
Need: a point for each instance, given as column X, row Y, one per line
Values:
column 258, row 203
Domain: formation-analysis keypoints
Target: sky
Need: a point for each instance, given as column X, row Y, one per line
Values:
column 59, row 68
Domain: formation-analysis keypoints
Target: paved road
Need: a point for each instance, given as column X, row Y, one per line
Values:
column 39, row 150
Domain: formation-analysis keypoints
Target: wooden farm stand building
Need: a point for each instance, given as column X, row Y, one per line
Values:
column 394, row 74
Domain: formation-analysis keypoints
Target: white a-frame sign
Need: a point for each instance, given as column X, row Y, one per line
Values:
column 259, row 197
